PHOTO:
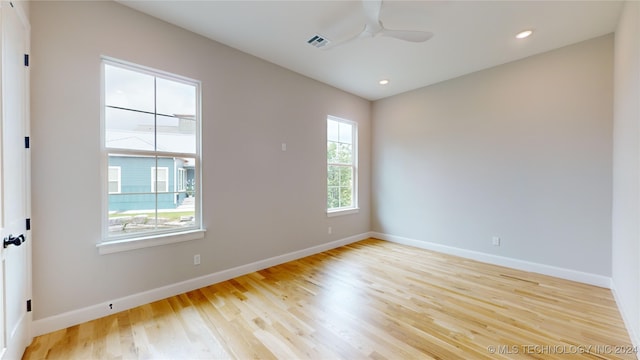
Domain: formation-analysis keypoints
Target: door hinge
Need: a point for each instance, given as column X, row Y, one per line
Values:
column 26, row 59
column 28, row 224
column 29, row 305
column 27, row 142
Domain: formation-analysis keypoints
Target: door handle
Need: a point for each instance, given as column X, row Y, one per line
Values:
column 13, row 240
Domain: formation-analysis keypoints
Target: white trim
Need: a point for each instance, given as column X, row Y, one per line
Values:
column 78, row 316
column 340, row 212
column 148, row 70
column 633, row 335
column 20, row 331
column 562, row 273
column 110, row 247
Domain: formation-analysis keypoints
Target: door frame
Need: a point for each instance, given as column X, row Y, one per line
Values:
column 16, row 350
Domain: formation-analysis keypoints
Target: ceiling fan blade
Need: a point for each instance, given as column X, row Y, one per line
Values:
column 335, row 44
column 373, row 27
column 408, row 35
column 372, row 16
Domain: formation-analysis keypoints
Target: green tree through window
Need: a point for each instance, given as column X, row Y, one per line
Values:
column 341, row 164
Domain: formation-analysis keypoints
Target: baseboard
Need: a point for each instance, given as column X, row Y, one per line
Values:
column 633, row 334
column 568, row 274
column 74, row 317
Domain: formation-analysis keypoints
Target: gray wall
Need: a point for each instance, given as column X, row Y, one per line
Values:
column 521, row 151
column 626, row 172
column 259, row 202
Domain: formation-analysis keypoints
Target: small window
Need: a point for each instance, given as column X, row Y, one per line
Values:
column 159, row 179
column 341, row 165
column 181, row 179
column 151, row 129
column 114, row 180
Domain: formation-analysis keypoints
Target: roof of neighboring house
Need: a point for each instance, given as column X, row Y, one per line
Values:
column 137, row 140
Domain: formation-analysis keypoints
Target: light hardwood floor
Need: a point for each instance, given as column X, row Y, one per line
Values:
column 372, row 299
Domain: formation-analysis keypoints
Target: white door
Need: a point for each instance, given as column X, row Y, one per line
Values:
column 15, row 273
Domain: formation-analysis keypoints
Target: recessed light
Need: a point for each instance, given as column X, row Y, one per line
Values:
column 524, row 34
column 383, row 82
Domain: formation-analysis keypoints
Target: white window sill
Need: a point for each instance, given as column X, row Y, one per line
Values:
column 111, row 247
column 333, row 213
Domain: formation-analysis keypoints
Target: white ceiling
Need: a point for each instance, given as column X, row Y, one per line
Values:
column 469, row 35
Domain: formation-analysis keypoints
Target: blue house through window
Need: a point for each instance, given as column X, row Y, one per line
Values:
column 174, row 179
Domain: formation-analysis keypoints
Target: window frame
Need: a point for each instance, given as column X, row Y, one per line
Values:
column 354, row 208
column 109, row 243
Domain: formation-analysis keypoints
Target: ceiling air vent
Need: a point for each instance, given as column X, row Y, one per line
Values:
column 318, row 41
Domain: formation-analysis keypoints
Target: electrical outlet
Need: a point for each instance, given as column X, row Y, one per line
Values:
column 330, row 230
column 196, row 259
column 496, row 241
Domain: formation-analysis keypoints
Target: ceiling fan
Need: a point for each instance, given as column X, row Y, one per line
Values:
column 373, row 27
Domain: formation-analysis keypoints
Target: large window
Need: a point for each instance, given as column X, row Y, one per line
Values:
column 151, row 125
column 341, row 165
